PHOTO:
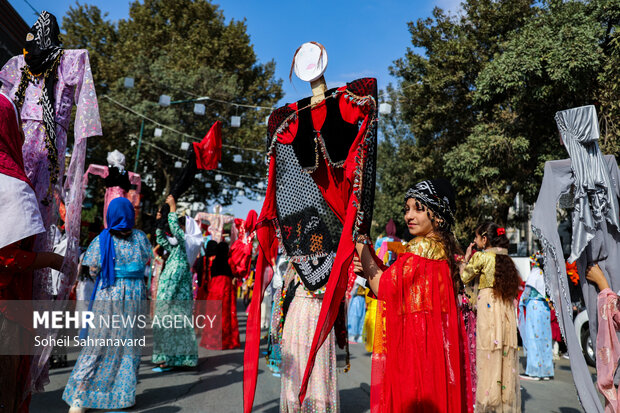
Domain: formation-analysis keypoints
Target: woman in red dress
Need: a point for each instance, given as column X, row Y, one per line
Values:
column 202, row 267
column 224, row 333
column 419, row 363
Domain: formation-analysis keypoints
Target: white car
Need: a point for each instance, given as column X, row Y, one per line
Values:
column 582, row 328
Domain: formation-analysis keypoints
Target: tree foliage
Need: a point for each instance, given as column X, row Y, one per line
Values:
column 478, row 93
column 184, row 49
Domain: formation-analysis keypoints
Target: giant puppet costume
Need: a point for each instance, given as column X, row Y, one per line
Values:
column 588, row 182
column 117, row 181
column 322, row 157
column 45, row 83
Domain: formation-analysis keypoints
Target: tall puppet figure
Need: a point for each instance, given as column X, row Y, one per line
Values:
column 45, row 82
column 118, row 181
column 590, row 182
column 319, row 198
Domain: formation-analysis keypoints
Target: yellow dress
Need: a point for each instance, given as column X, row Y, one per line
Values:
column 497, row 387
column 368, row 333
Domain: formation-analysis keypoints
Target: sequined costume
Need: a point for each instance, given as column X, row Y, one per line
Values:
column 172, row 346
column 74, row 86
column 497, row 383
column 535, row 328
column 419, row 363
column 105, row 377
column 299, row 328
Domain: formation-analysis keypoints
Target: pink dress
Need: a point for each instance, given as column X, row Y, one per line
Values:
column 115, row 191
column 74, row 87
column 608, row 348
column 216, row 227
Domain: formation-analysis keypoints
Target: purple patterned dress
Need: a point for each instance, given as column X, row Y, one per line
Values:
column 74, row 86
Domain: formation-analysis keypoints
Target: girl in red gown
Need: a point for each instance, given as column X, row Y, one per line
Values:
column 224, row 334
column 419, row 363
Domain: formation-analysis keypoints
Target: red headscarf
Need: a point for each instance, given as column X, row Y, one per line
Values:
column 11, row 141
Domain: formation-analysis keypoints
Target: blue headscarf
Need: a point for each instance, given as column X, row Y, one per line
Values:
column 121, row 217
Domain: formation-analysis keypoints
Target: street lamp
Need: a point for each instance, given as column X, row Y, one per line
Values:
column 164, row 101
column 199, row 109
column 385, row 109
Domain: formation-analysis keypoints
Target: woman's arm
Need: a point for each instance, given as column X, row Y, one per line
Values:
column 162, row 240
column 47, row 259
column 371, row 269
column 175, row 228
column 595, row 275
column 472, row 269
column 173, row 220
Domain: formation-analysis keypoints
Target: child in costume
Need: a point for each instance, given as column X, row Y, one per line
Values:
column 419, row 362
column 497, row 384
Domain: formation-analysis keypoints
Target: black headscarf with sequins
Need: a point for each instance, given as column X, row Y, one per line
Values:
column 438, row 196
column 42, row 54
column 42, row 43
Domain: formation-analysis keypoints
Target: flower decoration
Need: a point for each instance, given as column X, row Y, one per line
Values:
column 535, row 259
column 501, row 231
column 571, row 271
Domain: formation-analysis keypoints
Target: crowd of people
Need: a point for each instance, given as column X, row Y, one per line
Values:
column 442, row 324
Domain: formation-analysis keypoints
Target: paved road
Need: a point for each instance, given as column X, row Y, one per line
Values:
column 216, row 386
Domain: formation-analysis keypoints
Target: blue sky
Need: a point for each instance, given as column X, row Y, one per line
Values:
column 362, row 37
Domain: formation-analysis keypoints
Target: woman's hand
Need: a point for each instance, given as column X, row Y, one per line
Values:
column 357, row 266
column 469, row 252
column 595, row 275
column 173, row 204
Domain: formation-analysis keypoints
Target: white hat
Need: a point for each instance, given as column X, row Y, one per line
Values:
column 310, row 61
column 115, row 158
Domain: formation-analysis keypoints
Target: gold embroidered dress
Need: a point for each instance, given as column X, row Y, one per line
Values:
column 419, row 361
column 497, row 388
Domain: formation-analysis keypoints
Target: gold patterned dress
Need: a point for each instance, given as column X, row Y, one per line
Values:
column 419, row 361
column 497, row 387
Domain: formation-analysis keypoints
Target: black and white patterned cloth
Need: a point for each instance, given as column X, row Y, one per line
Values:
column 438, row 196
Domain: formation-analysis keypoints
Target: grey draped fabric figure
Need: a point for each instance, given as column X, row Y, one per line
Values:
column 594, row 200
column 592, row 179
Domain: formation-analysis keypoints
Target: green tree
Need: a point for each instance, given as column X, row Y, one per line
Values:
column 184, row 49
column 480, row 92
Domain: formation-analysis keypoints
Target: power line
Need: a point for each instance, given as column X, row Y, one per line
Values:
column 183, row 159
column 127, row 108
column 33, row 9
column 203, row 97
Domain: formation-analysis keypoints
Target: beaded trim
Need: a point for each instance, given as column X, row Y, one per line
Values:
column 49, row 121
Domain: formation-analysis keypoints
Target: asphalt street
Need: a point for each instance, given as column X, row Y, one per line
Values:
column 216, row 386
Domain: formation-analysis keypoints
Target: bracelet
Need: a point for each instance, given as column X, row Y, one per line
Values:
column 363, row 239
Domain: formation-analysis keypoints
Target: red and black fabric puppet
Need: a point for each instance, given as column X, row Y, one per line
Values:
column 204, row 155
column 320, row 195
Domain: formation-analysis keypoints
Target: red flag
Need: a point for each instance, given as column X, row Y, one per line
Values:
column 209, row 150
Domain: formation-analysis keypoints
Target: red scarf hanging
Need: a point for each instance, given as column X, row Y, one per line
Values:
column 209, row 150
